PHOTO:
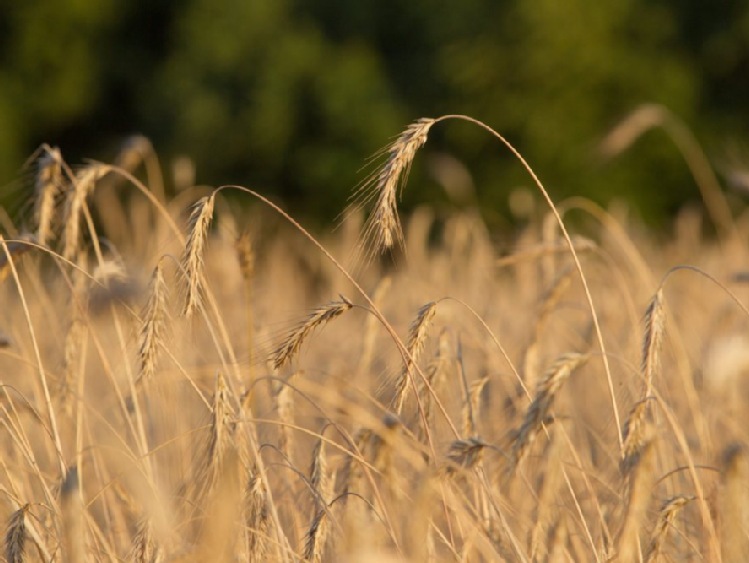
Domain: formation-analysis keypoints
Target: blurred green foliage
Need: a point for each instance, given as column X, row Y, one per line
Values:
column 292, row 96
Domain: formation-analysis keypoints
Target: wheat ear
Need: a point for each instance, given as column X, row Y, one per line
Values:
column 417, row 334
column 154, row 324
column 15, row 537
column 666, row 517
column 538, row 411
column 383, row 228
column 49, row 184
column 192, row 259
column 82, row 187
column 317, row 318
column 651, row 344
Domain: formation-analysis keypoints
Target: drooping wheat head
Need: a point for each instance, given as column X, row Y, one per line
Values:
column 290, row 346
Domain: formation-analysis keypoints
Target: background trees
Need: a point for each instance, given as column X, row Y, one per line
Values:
column 292, row 96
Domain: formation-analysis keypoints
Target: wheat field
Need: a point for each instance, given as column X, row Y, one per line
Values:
column 200, row 378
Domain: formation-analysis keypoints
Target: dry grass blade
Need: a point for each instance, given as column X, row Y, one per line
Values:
column 666, row 517
column 383, row 228
column 192, row 259
column 154, row 324
column 15, row 537
column 651, row 344
column 294, row 340
column 417, row 334
column 538, row 411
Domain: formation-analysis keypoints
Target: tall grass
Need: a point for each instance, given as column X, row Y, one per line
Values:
column 188, row 387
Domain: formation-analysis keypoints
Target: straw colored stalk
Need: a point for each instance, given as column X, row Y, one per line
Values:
column 192, row 259
column 49, row 185
column 642, row 478
column 733, row 505
column 538, row 411
column 383, row 228
column 285, row 408
column 72, row 518
column 417, row 335
column 218, row 534
column 318, row 318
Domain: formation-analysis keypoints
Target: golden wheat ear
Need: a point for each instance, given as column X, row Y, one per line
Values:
column 192, row 257
column 383, row 227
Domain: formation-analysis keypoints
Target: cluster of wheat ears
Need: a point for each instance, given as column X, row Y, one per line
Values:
column 469, row 400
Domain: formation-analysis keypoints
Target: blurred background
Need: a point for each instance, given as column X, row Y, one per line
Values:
column 291, row 97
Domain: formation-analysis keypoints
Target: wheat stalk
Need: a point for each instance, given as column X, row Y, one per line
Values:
column 733, row 511
column 641, row 479
column 72, row 518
